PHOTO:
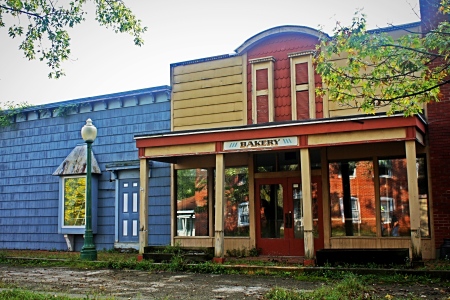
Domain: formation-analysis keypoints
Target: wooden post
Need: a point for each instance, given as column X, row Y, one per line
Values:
column 414, row 206
column 220, row 203
column 143, row 205
column 307, row 204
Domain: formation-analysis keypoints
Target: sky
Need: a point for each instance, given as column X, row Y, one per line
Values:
column 103, row 62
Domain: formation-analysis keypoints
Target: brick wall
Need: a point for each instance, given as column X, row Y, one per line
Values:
column 438, row 139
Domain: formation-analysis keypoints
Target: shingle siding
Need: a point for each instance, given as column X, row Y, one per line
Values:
column 32, row 150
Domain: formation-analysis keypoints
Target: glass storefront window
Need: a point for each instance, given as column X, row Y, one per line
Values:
column 192, row 202
column 74, row 201
column 353, row 202
column 394, row 197
column 352, row 198
column 422, row 179
column 237, row 218
column 277, row 161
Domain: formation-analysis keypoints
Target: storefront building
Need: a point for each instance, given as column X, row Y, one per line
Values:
column 260, row 162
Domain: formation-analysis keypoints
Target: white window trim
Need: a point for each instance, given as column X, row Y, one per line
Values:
column 63, row 203
column 298, row 58
column 261, row 64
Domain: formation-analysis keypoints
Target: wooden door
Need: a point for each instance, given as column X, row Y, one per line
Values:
column 279, row 216
column 129, row 210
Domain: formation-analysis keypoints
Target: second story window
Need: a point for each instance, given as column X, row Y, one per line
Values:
column 262, row 89
column 302, row 86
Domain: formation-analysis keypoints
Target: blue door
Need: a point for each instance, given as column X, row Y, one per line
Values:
column 129, row 210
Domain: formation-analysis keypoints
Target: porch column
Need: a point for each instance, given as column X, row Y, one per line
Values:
column 143, row 205
column 219, row 221
column 414, row 206
column 307, row 204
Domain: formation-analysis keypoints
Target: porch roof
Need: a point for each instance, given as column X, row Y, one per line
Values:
column 310, row 133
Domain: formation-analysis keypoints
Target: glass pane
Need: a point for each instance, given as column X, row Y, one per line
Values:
column 288, row 161
column 74, row 201
column 125, row 228
column 135, row 202
column 271, row 210
column 422, row 179
column 394, row 198
column 125, row 202
column 192, row 202
column 315, row 207
column 237, row 220
column 352, row 197
column 265, row 162
column 135, row 227
column 298, row 210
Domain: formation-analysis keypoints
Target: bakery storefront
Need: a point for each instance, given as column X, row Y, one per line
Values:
column 259, row 163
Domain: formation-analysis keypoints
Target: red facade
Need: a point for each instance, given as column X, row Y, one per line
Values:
column 291, row 43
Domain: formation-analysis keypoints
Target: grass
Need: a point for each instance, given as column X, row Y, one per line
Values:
column 20, row 294
column 338, row 283
column 349, row 287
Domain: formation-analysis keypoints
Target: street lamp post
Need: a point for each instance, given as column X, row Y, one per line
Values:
column 88, row 252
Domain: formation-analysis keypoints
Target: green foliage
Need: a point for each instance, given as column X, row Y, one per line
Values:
column 10, row 110
column 186, row 183
column 369, row 70
column 46, row 37
column 74, row 201
column 65, row 110
column 254, row 252
column 237, row 252
column 349, row 287
column 18, row 294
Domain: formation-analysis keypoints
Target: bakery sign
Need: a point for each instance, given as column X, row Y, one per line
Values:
column 261, row 143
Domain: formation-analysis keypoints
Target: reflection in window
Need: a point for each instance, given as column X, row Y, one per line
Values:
column 192, row 202
column 422, row 179
column 394, row 197
column 237, row 219
column 356, row 216
column 352, row 198
column 277, row 161
column 74, row 201
column 271, row 210
column 297, row 197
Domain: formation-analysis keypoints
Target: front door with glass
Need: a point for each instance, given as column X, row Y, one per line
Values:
column 279, row 216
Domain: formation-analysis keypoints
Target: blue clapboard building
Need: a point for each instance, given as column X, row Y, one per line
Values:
column 43, row 172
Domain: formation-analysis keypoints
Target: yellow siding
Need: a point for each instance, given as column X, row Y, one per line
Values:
column 180, row 149
column 336, row 109
column 208, row 65
column 358, row 136
column 213, row 109
column 208, row 74
column 213, row 125
column 208, row 94
column 206, row 119
column 205, row 101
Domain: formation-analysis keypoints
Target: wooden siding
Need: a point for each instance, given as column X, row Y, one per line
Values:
column 278, row 47
column 336, row 109
column 208, row 94
column 32, row 150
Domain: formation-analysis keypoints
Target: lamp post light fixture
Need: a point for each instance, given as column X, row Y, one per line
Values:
column 88, row 252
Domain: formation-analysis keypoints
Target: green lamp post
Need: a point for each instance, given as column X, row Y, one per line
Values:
column 88, row 252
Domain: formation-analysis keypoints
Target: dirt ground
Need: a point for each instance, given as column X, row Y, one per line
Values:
column 167, row 285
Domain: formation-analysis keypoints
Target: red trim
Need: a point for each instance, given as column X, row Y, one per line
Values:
column 219, row 146
column 303, row 140
column 277, row 131
column 141, row 152
column 410, row 133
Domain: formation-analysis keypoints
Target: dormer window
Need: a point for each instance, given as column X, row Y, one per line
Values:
column 72, row 192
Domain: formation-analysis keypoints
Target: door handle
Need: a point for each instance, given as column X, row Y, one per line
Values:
column 288, row 220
